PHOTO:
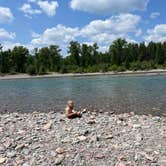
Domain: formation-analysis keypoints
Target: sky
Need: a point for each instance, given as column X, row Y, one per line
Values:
column 39, row 23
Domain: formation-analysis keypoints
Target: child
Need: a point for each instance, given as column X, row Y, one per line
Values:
column 69, row 111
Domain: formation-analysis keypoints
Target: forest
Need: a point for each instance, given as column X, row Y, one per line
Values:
column 83, row 58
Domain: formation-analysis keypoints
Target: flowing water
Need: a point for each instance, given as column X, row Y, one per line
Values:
column 142, row 95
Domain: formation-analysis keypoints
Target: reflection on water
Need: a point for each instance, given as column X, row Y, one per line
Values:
column 121, row 94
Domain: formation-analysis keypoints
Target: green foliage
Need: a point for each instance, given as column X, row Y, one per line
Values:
column 82, row 58
column 31, row 70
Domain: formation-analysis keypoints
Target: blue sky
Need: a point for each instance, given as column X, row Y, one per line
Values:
column 37, row 23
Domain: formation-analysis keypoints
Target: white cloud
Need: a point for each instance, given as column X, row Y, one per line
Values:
column 6, row 35
column 157, row 34
column 27, row 9
column 108, row 6
column 101, row 31
column 48, row 7
column 5, row 15
column 105, row 31
column 56, row 35
column 154, row 15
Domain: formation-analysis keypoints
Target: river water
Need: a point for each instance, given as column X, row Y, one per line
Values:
column 142, row 95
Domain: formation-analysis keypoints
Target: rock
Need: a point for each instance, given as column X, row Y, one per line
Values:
column 82, row 138
column 21, row 146
column 26, row 164
column 139, row 137
column 121, row 164
column 59, row 160
column 95, row 138
column 2, row 160
column 136, row 126
column 60, row 150
column 7, row 144
column 84, row 111
column 11, row 154
column 109, row 136
column 53, row 154
column 21, row 132
column 91, row 122
column 48, row 126
column 99, row 156
column 162, row 161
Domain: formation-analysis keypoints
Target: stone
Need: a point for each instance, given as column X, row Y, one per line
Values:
column 136, row 126
column 82, row 138
column 21, row 132
column 162, row 160
column 99, row 156
column 91, row 122
column 139, row 137
column 26, row 164
column 48, row 126
column 109, row 136
column 21, row 146
column 11, row 154
column 60, row 150
column 2, row 160
column 53, row 154
column 59, row 160
column 95, row 138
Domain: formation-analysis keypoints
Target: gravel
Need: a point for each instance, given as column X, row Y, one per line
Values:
column 96, row 139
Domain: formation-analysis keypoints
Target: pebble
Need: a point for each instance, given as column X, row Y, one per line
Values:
column 95, row 139
column 82, row 138
column 59, row 160
column 2, row 160
column 60, row 150
column 48, row 126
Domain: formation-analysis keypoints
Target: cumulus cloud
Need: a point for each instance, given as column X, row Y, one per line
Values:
column 6, row 35
column 101, row 31
column 157, row 34
column 154, row 15
column 56, row 35
column 5, row 15
column 27, row 9
column 120, row 24
column 48, row 7
column 108, row 6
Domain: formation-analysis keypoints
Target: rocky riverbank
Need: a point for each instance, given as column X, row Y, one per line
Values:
column 94, row 140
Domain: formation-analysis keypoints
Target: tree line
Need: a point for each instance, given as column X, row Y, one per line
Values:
column 83, row 58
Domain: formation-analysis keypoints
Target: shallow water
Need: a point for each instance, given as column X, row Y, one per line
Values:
column 143, row 95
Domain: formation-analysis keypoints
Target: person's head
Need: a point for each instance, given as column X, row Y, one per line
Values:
column 70, row 104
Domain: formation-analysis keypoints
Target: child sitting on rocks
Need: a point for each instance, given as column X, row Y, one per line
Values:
column 69, row 111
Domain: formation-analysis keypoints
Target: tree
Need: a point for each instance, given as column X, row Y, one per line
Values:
column 117, row 52
column 19, row 58
column 74, row 53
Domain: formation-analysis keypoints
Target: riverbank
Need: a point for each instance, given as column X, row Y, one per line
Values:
column 125, row 73
column 95, row 139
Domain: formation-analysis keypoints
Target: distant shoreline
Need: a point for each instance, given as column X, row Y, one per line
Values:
column 51, row 75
